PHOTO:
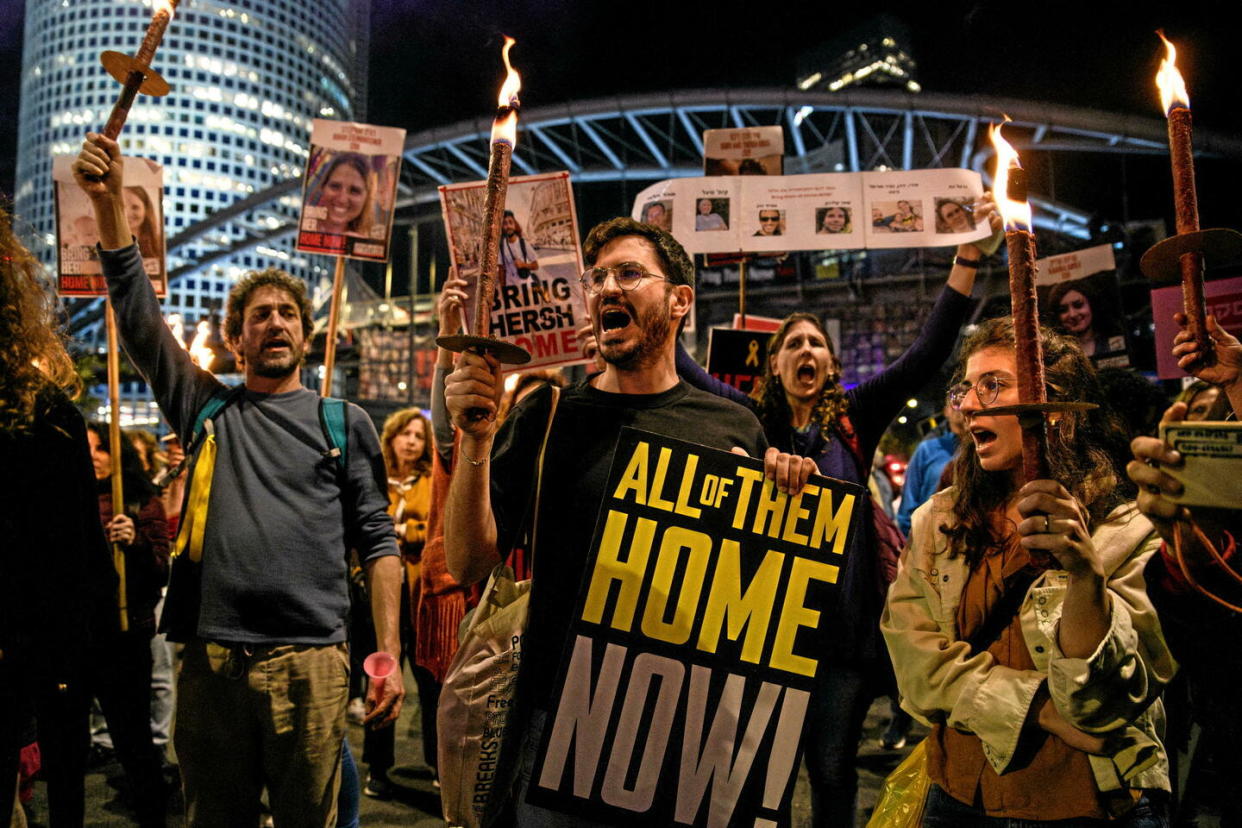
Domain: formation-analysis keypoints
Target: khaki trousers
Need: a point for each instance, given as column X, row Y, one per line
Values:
column 250, row 717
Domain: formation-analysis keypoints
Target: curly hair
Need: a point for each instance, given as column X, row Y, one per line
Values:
column 677, row 265
column 394, row 425
column 33, row 359
column 240, row 295
column 1086, row 451
column 771, row 404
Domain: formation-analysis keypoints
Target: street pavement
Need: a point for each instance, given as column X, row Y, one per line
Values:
column 416, row 802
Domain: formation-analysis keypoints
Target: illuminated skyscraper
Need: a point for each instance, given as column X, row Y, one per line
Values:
column 247, row 78
column 876, row 53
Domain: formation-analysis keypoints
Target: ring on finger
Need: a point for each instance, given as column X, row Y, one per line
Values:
column 1047, row 525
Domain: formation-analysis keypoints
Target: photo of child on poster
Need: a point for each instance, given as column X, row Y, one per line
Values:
column 349, row 189
column 902, row 216
column 79, row 272
column 539, row 303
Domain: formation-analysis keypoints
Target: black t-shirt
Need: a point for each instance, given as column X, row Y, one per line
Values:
column 576, row 464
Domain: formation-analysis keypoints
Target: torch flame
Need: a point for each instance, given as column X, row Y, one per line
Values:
column 1169, row 80
column 177, row 325
column 165, row 6
column 199, row 352
column 1015, row 214
column 504, row 129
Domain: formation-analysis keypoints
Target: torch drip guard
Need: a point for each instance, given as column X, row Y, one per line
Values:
column 1161, row 264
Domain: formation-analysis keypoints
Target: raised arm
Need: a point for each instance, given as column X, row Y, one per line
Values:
column 452, row 302
column 691, row 372
column 1226, row 371
column 469, row 523
column 179, row 385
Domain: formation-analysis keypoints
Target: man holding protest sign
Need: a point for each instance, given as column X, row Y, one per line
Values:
column 640, row 287
column 277, row 497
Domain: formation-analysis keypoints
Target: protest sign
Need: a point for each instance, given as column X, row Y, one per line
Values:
column 822, row 211
column 748, row 151
column 737, row 357
column 78, row 271
column 750, row 322
column 695, row 640
column 539, row 302
column 349, row 189
column 1079, row 296
column 1224, row 301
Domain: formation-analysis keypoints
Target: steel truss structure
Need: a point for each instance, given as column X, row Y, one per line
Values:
column 651, row 137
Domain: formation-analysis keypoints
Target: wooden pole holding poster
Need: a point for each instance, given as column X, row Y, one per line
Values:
column 741, row 290
column 334, row 313
column 135, row 75
column 114, row 450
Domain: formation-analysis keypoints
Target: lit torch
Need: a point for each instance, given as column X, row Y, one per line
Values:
column 200, row 351
column 1011, row 201
column 503, row 139
column 135, row 73
column 1176, row 104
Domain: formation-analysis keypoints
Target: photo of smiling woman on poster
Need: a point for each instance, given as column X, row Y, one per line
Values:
column 344, row 194
column 1078, row 308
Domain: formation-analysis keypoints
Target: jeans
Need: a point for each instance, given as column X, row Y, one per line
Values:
column 943, row 811
column 162, row 697
column 833, row 728
column 348, row 801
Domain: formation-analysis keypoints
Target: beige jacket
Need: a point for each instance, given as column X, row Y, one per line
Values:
column 1114, row 693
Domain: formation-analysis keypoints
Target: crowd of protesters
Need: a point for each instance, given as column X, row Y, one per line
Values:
column 1036, row 628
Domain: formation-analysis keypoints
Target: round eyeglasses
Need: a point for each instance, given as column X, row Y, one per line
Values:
column 627, row 274
column 987, row 389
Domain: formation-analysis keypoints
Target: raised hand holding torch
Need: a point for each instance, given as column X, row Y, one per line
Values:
column 503, row 139
column 1182, row 257
column 135, row 75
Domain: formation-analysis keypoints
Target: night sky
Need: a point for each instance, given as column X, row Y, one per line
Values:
column 437, row 61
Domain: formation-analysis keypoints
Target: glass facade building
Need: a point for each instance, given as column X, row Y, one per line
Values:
column 247, row 77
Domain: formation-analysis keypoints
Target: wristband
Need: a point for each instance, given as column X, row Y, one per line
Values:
column 962, row 261
column 470, row 459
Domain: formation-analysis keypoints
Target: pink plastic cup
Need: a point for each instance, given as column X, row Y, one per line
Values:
column 379, row 665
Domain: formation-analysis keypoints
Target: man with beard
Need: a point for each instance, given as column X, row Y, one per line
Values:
column 516, row 256
column 639, row 288
column 273, row 509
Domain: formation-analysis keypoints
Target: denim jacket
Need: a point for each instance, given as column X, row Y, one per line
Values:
column 1113, row 694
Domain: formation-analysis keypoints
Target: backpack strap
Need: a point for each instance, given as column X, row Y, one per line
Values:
column 333, row 422
column 543, row 447
column 220, row 398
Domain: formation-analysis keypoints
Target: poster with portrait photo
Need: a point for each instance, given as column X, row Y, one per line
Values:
column 78, row 270
column 659, row 213
column 711, row 214
column 901, row 208
column 1079, row 295
column 749, row 151
column 904, row 215
column 539, row 303
column 349, row 189
column 819, row 211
